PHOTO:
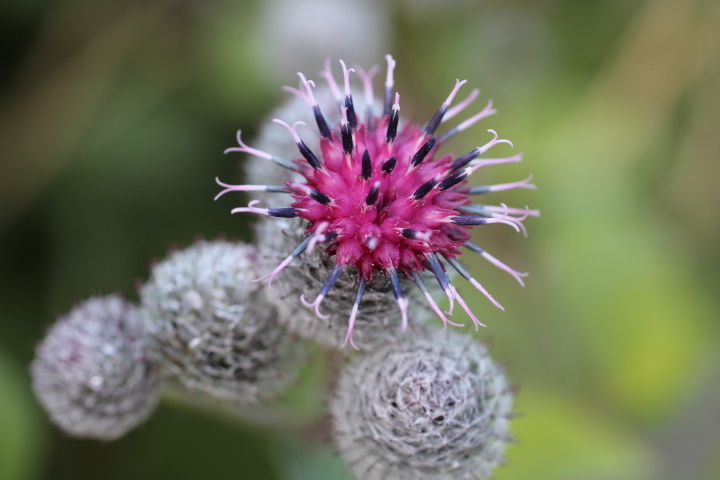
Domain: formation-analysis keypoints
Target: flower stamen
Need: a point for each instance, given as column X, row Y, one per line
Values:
column 432, row 125
column 327, row 286
column 401, row 300
column 464, row 306
column 367, row 78
column 349, row 111
column 460, row 268
column 327, row 74
column 485, row 112
column 438, row 270
column 461, row 106
column 389, row 85
column 259, row 153
column 423, row 288
column 296, row 253
column 354, row 312
column 248, row 188
column 319, row 116
column 393, row 120
column 422, row 153
column 499, row 187
column 515, row 274
column 305, row 151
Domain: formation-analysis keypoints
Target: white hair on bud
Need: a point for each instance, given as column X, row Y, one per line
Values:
column 94, row 373
column 213, row 327
column 429, row 408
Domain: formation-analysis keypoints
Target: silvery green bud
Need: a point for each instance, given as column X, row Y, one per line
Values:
column 430, row 408
column 213, row 326
column 93, row 373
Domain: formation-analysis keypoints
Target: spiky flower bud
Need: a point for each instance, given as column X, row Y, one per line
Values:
column 376, row 194
column 93, row 372
column 430, row 408
column 214, row 329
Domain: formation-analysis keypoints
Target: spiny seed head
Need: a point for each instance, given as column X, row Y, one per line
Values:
column 377, row 195
column 214, row 330
column 94, row 373
column 430, row 408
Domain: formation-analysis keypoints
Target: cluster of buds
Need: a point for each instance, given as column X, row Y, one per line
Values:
column 201, row 322
column 375, row 212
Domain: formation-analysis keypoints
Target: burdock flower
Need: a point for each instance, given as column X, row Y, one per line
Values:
column 381, row 201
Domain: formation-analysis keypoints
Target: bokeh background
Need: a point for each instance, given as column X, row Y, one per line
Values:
column 113, row 119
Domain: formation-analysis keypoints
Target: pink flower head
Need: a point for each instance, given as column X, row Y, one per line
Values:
column 380, row 199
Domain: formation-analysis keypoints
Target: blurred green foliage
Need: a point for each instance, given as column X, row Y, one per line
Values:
column 113, row 119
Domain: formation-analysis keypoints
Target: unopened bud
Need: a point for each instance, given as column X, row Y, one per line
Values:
column 93, row 372
column 214, row 328
column 430, row 408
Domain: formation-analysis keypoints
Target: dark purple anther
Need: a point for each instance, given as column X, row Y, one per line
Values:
column 389, row 165
column 452, row 180
column 468, row 220
column 283, row 212
column 422, row 153
column 366, row 166
column 309, row 155
column 321, row 123
column 347, row 139
column 424, row 189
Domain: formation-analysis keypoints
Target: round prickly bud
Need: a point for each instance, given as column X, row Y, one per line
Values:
column 428, row 409
column 213, row 326
column 93, row 372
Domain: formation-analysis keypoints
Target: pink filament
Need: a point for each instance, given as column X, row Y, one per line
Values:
column 462, row 105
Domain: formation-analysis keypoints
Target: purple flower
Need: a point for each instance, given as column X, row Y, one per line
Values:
column 376, row 194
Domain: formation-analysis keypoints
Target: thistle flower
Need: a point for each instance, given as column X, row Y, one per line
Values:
column 381, row 200
column 426, row 409
column 213, row 328
column 93, row 373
